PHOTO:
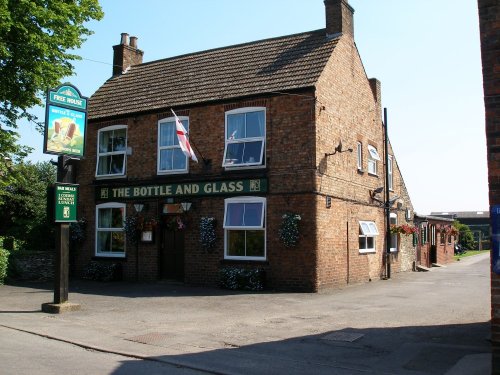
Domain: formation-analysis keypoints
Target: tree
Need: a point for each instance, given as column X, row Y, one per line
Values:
column 465, row 236
column 36, row 37
column 23, row 213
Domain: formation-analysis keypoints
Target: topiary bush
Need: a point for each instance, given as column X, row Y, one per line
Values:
column 98, row 271
column 236, row 278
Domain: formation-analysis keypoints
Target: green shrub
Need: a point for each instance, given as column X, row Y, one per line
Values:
column 4, row 262
column 98, row 271
column 236, row 278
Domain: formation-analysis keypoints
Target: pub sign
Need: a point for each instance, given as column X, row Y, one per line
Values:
column 65, row 122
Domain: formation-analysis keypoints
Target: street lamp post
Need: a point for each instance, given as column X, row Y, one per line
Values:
column 387, row 204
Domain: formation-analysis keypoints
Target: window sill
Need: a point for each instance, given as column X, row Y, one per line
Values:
column 110, row 177
column 372, row 174
column 109, row 257
column 368, row 251
column 361, row 171
column 244, row 261
column 169, row 173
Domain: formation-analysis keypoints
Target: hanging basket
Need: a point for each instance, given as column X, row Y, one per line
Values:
column 289, row 230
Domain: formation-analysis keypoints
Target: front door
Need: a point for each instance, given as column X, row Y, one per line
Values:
column 172, row 255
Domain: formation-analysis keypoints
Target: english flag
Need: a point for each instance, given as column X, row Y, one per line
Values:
column 183, row 140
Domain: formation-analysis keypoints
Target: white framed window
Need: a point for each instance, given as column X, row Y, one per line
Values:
column 433, row 235
column 171, row 159
column 394, row 237
column 423, row 234
column 389, row 172
column 111, row 151
column 244, row 228
column 359, row 150
column 367, row 233
column 373, row 157
column 110, row 231
column 245, row 137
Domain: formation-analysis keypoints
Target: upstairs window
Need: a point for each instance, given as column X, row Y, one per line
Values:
column 245, row 137
column 367, row 233
column 111, row 151
column 373, row 157
column 171, row 159
column 360, row 156
column 394, row 236
column 244, row 228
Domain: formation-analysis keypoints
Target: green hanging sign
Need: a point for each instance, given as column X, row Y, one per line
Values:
column 65, row 122
column 66, row 199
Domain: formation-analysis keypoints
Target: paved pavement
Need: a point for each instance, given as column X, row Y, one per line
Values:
column 416, row 323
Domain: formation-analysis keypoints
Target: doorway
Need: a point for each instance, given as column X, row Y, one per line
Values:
column 172, row 254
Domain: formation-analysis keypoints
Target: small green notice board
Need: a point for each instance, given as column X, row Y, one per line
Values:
column 66, row 199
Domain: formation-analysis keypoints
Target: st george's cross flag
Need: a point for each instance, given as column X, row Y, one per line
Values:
column 183, row 140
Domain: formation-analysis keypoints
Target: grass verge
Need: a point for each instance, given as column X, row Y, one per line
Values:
column 469, row 253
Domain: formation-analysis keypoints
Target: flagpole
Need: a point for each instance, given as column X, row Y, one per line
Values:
column 205, row 161
column 187, row 142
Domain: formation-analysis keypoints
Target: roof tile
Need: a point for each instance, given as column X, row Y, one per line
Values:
column 278, row 64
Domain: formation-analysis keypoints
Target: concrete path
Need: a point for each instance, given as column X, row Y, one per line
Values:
column 416, row 323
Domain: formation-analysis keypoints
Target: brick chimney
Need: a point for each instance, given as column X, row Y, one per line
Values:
column 125, row 55
column 339, row 18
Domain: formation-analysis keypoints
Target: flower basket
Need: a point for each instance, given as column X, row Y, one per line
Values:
column 289, row 229
column 403, row 229
column 77, row 231
column 175, row 224
column 208, row 236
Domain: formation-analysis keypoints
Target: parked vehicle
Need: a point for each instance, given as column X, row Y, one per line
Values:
column 459, row 249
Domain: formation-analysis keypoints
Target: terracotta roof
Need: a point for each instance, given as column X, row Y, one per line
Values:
column 278, row 64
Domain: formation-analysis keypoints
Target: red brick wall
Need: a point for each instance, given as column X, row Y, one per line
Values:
column 299, row 131
column 489, row 22
column 290, row 173
column 348, row 111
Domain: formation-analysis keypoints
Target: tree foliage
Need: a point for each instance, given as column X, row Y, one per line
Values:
column 23, row 212
column 465, row 236
column 36, row 39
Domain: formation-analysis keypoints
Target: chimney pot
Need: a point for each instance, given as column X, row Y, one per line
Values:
column 339, row 18
column 126, row 55
column 133, row 41
column 124, row 39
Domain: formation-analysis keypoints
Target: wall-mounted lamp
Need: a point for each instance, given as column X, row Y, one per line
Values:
column 138, row 207
column 373, row 194
column 328, row 201
column 186, row 206
column 338, row 149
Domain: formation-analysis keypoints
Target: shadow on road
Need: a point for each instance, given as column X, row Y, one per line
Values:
column 397, row 350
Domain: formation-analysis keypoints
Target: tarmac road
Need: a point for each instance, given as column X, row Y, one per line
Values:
column 24, row 353
column 416, row 323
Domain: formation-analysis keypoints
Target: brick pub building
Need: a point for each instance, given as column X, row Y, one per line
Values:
column 283, row 125
column 489, row 24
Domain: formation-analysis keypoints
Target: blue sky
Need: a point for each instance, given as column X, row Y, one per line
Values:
column 426, row 54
